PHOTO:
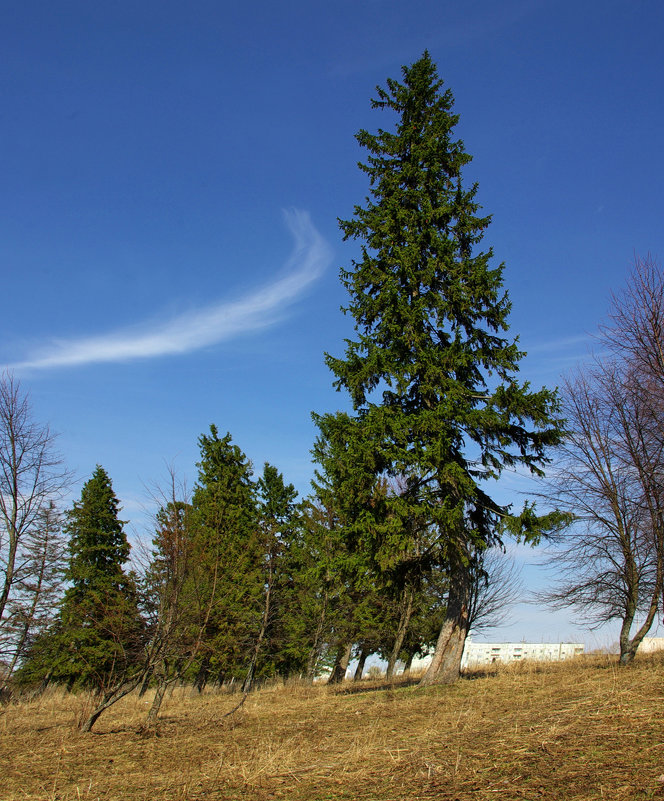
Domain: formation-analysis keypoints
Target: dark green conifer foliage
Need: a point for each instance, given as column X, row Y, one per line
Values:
column 277, row 531
column 98, row 545
column 431, row 372
column 308, row 584
column 99, row 634
column 227, row 556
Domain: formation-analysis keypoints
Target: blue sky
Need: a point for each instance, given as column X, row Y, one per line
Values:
column 172, row 174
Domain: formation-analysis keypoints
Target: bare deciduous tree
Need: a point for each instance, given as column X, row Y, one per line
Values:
column 497, row 587
column 609, row 558
column 177, row 608
column 635, row 331
column 612, row 473
column 174, row 641
column 32, row 475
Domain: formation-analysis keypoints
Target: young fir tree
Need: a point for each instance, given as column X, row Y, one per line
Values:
column 38, row 582
column 277, row 525
column 227, row 559
column 306, row 584
column 315, row 591
column 431, row 371
column 98, row 636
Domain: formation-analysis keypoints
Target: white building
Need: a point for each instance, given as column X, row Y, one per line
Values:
column 476, row 654
column 650, row 644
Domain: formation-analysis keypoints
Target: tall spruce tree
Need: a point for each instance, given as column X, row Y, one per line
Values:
column 431, row 371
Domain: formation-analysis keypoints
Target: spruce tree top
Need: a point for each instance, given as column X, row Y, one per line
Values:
column 224, row 495
column 223, row 467
column 98, row 545
column 431, row 372
column 423, row 303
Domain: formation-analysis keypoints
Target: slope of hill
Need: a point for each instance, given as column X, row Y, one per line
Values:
column 579, row 730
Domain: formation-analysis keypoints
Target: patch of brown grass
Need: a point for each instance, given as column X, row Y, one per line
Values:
column 578, row 730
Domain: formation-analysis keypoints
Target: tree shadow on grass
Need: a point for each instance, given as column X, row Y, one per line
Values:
column 360, row 688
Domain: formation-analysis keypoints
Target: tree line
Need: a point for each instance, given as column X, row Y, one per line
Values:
column 241, row 582
column 395, row 550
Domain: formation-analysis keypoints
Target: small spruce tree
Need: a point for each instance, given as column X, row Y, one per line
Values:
column 277, row 526
column 39, row 583
column 98, row 635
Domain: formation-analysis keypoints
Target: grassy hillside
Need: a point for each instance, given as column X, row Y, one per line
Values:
column 581, row 730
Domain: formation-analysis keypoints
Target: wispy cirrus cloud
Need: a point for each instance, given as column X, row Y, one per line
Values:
column 561, row 344
column 202, row 327
column 550, row 360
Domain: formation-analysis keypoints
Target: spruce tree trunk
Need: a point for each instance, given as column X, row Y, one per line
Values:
column 359, row 670
column 402, row 628
column 409, row 663
column 202, row 676
column 43, row 685
column 445, row 667
column 340, row 663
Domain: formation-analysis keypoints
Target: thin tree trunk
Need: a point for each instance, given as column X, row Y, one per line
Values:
column 145, row 685
column 43, row 684
column 249, row 680
column 402, row 628
column 19, row 647
column 161, row 673
column 629, row 647
column 340, row 663
column 409, row 662
column 107, row 701
column 359, row 670
column 30, row 617
column 153, row 714
column 9, row 568
column 314, row 654
column 445, row 667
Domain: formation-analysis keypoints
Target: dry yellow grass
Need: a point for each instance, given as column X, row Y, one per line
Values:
column 582, row 730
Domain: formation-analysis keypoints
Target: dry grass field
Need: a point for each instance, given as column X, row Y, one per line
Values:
column 581, row 730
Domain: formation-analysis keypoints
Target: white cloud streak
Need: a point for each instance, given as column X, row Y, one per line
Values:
column 203, row 327
column 560, row 344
